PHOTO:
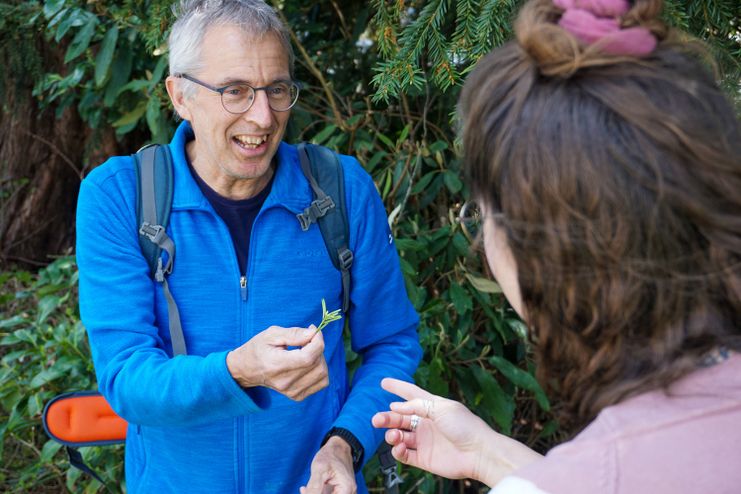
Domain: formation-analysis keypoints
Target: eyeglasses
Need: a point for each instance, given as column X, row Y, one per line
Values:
column 238, row 98
column 469, row 218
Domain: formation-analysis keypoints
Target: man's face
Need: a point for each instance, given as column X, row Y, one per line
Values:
column 234, row 149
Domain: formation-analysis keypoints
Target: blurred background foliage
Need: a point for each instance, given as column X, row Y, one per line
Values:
column 83, row 80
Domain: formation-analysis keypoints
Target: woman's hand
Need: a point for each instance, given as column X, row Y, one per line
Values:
column 448, row 439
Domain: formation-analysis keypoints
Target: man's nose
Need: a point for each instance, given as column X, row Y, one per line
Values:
column 260, row 112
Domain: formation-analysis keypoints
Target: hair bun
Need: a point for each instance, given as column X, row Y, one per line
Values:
column 563, row 36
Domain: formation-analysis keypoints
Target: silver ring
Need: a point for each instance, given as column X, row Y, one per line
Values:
column 414, row 423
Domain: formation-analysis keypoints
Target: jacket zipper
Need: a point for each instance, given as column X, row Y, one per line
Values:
column 243, row 287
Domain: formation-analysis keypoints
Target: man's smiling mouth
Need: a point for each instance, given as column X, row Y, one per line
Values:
column 250, row 142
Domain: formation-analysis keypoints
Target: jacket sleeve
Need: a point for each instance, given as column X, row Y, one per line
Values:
column 138, row 378
column 383, row 322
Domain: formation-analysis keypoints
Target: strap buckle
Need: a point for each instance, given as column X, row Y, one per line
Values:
column 316, row 210
column 153, row 232
column 390, row 477
column 345, row 257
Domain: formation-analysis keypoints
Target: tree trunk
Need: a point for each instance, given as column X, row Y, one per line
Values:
column 42, row 161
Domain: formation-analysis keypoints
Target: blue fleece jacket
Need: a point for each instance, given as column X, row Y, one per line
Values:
column 192, row 427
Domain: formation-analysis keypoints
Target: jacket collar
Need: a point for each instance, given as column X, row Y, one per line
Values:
column 290, row 188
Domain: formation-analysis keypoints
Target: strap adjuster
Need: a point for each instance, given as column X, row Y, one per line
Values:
column 153, row 232
column 391, row 477
column 345, row 257
column 316, row 210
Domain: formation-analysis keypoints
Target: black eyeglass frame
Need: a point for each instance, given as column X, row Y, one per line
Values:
column 222, row 89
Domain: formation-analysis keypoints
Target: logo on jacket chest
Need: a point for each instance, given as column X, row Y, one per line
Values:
column 310, row 253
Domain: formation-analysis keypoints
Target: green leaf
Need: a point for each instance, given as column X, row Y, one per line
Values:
column 45, row 376
column 460, row 298
column 377, row 157
column 436, row 382
column 484, row 285
column 424, row 182
column 49, row 450
column 81, row 40
column 159, row 71
column 47, row 305
column 452, row 181
column 403, row 136
column 51, row 7
column 324, row 134
column 12, row 321
column 69, row 18
column 153, row 116
column 120, row 73
column 386, row 141
column 134, row 86
column 497, row 403
column 133, row 116
column 521, row 379
column 438, row 146
column 350, row 122
column 105, row 56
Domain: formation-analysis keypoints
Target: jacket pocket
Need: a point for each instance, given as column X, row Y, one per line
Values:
column 136, row 459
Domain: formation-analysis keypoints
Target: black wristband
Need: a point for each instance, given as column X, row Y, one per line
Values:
column 355, row 446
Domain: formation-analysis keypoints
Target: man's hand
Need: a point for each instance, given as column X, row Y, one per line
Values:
column 331, row 470
column 266, row 361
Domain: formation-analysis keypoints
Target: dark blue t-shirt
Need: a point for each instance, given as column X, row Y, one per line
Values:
column 239, row 215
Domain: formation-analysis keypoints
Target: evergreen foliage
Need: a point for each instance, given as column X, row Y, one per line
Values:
column 381, row 81
column 437, row 41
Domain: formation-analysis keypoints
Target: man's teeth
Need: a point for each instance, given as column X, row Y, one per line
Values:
column 251, row 141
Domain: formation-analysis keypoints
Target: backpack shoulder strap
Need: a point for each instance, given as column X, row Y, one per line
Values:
column 154, row 191
column 324, row 172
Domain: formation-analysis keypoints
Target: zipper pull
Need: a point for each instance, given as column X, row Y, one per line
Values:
column 243, row 287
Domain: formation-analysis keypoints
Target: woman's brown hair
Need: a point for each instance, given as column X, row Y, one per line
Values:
column 618, row 180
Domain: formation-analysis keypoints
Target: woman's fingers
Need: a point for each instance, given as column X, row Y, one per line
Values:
column 405, row 455
column 406, row 390
column 397, row 436
column 424, row 407
column 392, row 420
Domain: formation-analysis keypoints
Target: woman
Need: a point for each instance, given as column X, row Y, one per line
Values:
column 607, row 166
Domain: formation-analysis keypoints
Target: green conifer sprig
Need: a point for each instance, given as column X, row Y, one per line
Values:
column 328, row 317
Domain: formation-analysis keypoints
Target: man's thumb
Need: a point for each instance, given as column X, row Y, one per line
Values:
column 297, row 336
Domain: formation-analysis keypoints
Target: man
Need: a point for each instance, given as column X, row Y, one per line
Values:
column 261, row 402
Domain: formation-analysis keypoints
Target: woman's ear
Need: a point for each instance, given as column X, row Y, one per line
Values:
column 174, row 87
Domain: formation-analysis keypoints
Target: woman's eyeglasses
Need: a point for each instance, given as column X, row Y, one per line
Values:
column 470, row 220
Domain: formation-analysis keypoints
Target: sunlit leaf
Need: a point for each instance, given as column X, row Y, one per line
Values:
column 105, row 56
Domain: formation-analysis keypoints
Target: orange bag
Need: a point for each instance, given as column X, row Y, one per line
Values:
column 83, row 418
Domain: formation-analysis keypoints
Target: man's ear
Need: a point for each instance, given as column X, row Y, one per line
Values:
column 175, row 90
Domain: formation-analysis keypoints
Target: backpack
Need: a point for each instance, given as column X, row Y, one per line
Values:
column 96, row 423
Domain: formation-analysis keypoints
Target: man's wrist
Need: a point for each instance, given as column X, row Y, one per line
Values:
column 338, row 442
column 340, row 436
column 232, row 366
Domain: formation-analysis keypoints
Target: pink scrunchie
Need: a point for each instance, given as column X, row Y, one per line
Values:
column 596, row 20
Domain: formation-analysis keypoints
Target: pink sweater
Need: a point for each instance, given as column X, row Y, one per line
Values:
column 688, row 442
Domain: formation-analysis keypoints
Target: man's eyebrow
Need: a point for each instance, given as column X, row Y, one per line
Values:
column 234, row 81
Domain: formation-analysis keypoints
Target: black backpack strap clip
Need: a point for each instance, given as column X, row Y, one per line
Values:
column 391, row 478
column 317, row 209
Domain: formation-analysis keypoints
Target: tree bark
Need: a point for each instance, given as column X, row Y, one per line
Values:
column 42, row 161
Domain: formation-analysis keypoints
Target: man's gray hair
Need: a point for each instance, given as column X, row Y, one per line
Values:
column 195, row 17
